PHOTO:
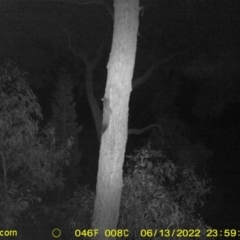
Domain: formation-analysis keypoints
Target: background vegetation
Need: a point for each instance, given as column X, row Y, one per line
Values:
column 157, row 193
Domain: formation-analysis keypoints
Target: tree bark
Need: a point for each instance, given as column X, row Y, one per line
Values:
column 117, row 94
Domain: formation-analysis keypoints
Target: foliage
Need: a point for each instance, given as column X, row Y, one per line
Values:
column 64, row 121
column 28, row 164
column 157, row 194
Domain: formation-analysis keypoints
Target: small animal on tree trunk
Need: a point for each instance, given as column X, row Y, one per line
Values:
column 107, row 111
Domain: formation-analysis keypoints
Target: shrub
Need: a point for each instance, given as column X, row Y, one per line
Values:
column 29, row 163
column 159, row 195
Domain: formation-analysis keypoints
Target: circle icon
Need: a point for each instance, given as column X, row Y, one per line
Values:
column 56, row 232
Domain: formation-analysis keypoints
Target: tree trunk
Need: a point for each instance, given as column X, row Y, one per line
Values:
column 115, row 119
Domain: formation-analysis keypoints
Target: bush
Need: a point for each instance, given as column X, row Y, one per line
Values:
column 159, row 195
column 30, row 164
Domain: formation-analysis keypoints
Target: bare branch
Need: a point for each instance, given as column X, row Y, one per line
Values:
column 140, row 131
column 149, row 71
column 80, row 53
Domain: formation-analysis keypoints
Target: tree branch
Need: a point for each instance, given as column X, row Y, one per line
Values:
column 149, row 71
column 80, row 53
column 140, row 131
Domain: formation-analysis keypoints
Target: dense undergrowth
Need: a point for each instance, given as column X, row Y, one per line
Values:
column 156, row 195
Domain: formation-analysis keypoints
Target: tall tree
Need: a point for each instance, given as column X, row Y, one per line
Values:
column 115, row 116
column 64, row 121
column 63, row 107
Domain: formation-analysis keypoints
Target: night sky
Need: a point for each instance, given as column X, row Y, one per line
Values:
column 197, row 85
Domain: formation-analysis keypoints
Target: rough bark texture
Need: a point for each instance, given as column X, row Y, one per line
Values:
column 113, row 142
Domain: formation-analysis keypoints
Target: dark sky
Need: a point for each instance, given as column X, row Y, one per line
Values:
column 198, row 85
